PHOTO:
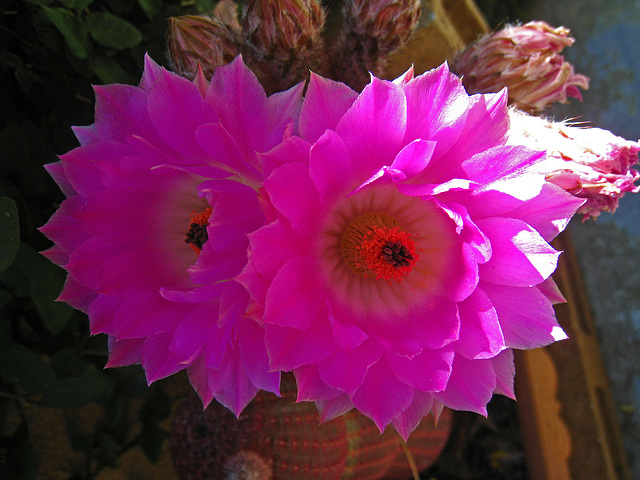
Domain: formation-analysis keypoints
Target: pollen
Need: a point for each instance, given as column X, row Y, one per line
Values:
column 197, row 234
column 375, row 245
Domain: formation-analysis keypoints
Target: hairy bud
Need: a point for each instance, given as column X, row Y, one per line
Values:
column 526, row 59
column 203, row 40
column 283, row 40
column 371, row 31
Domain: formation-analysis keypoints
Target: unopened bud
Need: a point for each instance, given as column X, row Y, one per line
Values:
column 372, row 30
column 589, row 163
column 526, row 59
column 200, row 40
column 283, row 40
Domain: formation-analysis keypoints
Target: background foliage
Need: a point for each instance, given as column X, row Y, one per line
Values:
column 51, row 52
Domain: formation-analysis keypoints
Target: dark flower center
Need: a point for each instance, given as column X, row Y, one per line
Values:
column 396, row 254
column 197, row 234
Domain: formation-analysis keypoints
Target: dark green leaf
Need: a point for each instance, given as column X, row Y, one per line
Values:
column 109, row 71
column 107, row 448
column 16, row 277
column 46, row 282
column 73, row 31
column 10, row 60
column 205, row 6
column 9, row 232
column 157, row 406
column 14, row 146
column 5, row 330
column 150, row 7
column 21, row 366
column 74, row 392
column 120, row 7
column 42, row 3
column 5, row 297
column 67, row 363
column 82, row 4
column 112, row 31
column 151, row 440
column 30, row 462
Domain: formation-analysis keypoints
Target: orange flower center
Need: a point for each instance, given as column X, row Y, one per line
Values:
column 197, row 233
column 375, row 244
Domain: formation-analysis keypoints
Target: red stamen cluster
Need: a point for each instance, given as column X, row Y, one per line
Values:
column 389, row 252
column 197, row 233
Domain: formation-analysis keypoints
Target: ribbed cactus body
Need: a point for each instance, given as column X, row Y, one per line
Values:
column 277, row 439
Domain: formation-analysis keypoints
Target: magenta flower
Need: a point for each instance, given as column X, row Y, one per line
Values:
column 160, row 197
column 589, row 163
column 408, row 252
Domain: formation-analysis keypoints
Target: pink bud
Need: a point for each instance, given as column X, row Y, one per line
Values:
column 283, row 40
column 526, row 59
column 371, row 31
column 589, row 163
column 203, row 40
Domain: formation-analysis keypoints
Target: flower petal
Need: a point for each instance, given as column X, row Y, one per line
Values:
column 428, row 371
column 480, row 332
column 470, row 386
column 374, row 127
column 382, row 410
column 294, row 195
column 530, row 327
column 520, row 255
column 325, row 103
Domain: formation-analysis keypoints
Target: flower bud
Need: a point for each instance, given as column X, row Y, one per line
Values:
column 589, row 163
column 526, row 59
column 199, row 39
column 283, row 40
column 371, row 31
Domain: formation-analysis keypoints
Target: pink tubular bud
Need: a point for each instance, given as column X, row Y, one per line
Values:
column 589, row 163
column 526, row 59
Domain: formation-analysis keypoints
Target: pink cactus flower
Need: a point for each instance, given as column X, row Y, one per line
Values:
column 160, row 197
column 408, row 252
column 589, row 163
column 526, row 59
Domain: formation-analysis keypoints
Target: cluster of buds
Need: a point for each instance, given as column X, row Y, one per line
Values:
column 281, row 40
column 589, row 163
column 526, row 59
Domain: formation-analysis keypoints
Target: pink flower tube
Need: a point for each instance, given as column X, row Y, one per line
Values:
column 160, row 198
column 408, row 250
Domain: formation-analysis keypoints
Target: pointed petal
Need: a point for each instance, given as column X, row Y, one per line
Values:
column 382, row 410
column 523, row 328
column 326, row 101
column 520, row 256
column 470, row 386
